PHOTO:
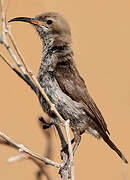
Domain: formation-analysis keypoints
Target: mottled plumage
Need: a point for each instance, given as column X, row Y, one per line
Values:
column 62, row 82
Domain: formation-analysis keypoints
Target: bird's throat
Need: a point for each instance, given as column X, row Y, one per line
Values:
column 54, row 50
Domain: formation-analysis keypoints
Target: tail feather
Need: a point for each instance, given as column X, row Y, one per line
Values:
column 112, row 146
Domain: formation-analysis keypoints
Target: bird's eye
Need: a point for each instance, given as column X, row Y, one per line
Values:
column 49, row 22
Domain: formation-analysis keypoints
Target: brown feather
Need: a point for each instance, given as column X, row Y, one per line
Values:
column 74, row 86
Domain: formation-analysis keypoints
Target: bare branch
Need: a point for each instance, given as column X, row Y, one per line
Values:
column 7, row 62
column 70, row 148
column 24, row 149
column 22, row 156
column 61, row 136
column 24, row 77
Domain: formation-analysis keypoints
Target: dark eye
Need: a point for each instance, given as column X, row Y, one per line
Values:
column 49, row 22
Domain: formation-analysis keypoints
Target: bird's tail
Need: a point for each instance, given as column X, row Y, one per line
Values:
column 112, row 146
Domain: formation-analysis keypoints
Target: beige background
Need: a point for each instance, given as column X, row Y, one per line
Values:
column 101, row 42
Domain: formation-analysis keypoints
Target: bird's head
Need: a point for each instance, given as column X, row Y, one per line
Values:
column 49, row 25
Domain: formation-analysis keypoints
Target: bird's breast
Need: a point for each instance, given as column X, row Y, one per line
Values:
column 68, row 108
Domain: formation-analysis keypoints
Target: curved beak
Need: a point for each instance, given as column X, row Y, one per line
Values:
column 33, row 21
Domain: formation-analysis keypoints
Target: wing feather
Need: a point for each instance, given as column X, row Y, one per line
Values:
column 74, row 86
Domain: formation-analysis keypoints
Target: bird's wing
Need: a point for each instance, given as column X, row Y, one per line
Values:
column 74, row 86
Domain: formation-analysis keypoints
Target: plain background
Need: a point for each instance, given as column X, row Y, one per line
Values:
column 101, row 43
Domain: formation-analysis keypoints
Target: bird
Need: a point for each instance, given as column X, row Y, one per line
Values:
column 60, row 79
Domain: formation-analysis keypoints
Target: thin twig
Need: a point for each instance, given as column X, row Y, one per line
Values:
column 2, row 19
column 7, row 62
column 42, row 168
column 24, row 149
column 61, row 136
column 53, row 108
column 70, row 148
column 24, row 77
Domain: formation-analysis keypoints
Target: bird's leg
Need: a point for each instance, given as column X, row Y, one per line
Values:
column 77, row 139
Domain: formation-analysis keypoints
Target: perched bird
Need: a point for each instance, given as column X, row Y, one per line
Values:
column 61, row 81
